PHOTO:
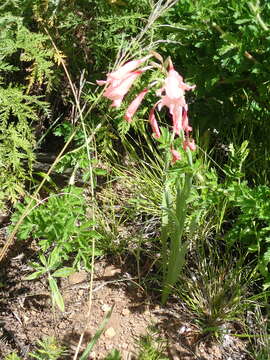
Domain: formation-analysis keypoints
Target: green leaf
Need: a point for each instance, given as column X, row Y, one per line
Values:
column 64, row 272
column 113, row 355
column 253, row 248
column 99, row 171
column 35, row 275
column 242, row 21
column 43, row 260
column 56, row 295
column 266, row 286
column 94, row 234
column 266, row 256
column 54, row 258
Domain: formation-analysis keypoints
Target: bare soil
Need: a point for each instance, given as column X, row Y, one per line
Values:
column 26, row 314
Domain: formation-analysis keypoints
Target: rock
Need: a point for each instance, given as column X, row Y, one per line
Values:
column 81, row 292
column 92, row 355
column 125, row 312
column 105, row 307
column 110, row 333
column 77, row 277
column 111, row 271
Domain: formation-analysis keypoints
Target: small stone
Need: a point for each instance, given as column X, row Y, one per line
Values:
column 111, row 271
column 110, row 333
column 105, row 307
column 26, row 318
column 125, row 312
column 81, row 292
column 182, row 329
column 77, row 277
column 92, row 355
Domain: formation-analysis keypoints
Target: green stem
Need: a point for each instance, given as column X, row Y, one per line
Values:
column 166, row 204
column 177, row 252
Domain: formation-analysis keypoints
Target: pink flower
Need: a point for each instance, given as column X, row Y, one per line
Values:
column 189, row 144
column 185, row 124
column 134, row 105
column 174, row 89
column 120, row 80
column 175, row 155
column 117, row 92
column 153, row 123
column 126, row 69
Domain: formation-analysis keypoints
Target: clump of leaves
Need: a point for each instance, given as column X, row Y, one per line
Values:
column 48, row 267
column 24, row 59
column 60, row 222
column 12, row 356
column 251, row 228
column 152, row 346
column 113, row 355
column 48, row 349
column 215, row 288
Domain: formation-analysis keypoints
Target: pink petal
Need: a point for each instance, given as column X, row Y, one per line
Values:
column 153, row 123
column 101, row 82
column 127, row 68
column 134, row 105
column 119, row 91
column 189, row 144
column 117, row 103
column 175, row 155
column 172, row 85
column 177, row 119
column 185, row 124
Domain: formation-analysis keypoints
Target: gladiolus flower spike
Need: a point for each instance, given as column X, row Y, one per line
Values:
column 172, row 95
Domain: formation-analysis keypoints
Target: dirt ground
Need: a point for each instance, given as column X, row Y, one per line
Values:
column 26, row 314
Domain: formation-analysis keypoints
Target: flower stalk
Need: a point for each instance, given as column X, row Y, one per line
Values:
column 172, row 96
column 172, row 232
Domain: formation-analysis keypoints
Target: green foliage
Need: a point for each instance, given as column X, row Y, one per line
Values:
column 113, row 355
column 251, row 228
column 232, row 210
column 12, row 356
column 46, row 267
column 174, row 212
column 24, row 59
column 259, row 343
column 48, row 349
column 215, row 288
column 151, row 347
column 16, row 140
column 78, row 159
column 60, row 222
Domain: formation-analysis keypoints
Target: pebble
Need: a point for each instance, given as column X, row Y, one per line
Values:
column 92, row 355
column 77, row 277
column 111, row 271
column 125, row 312
column 105, row 307
column 110, row 333
column 81, row 292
